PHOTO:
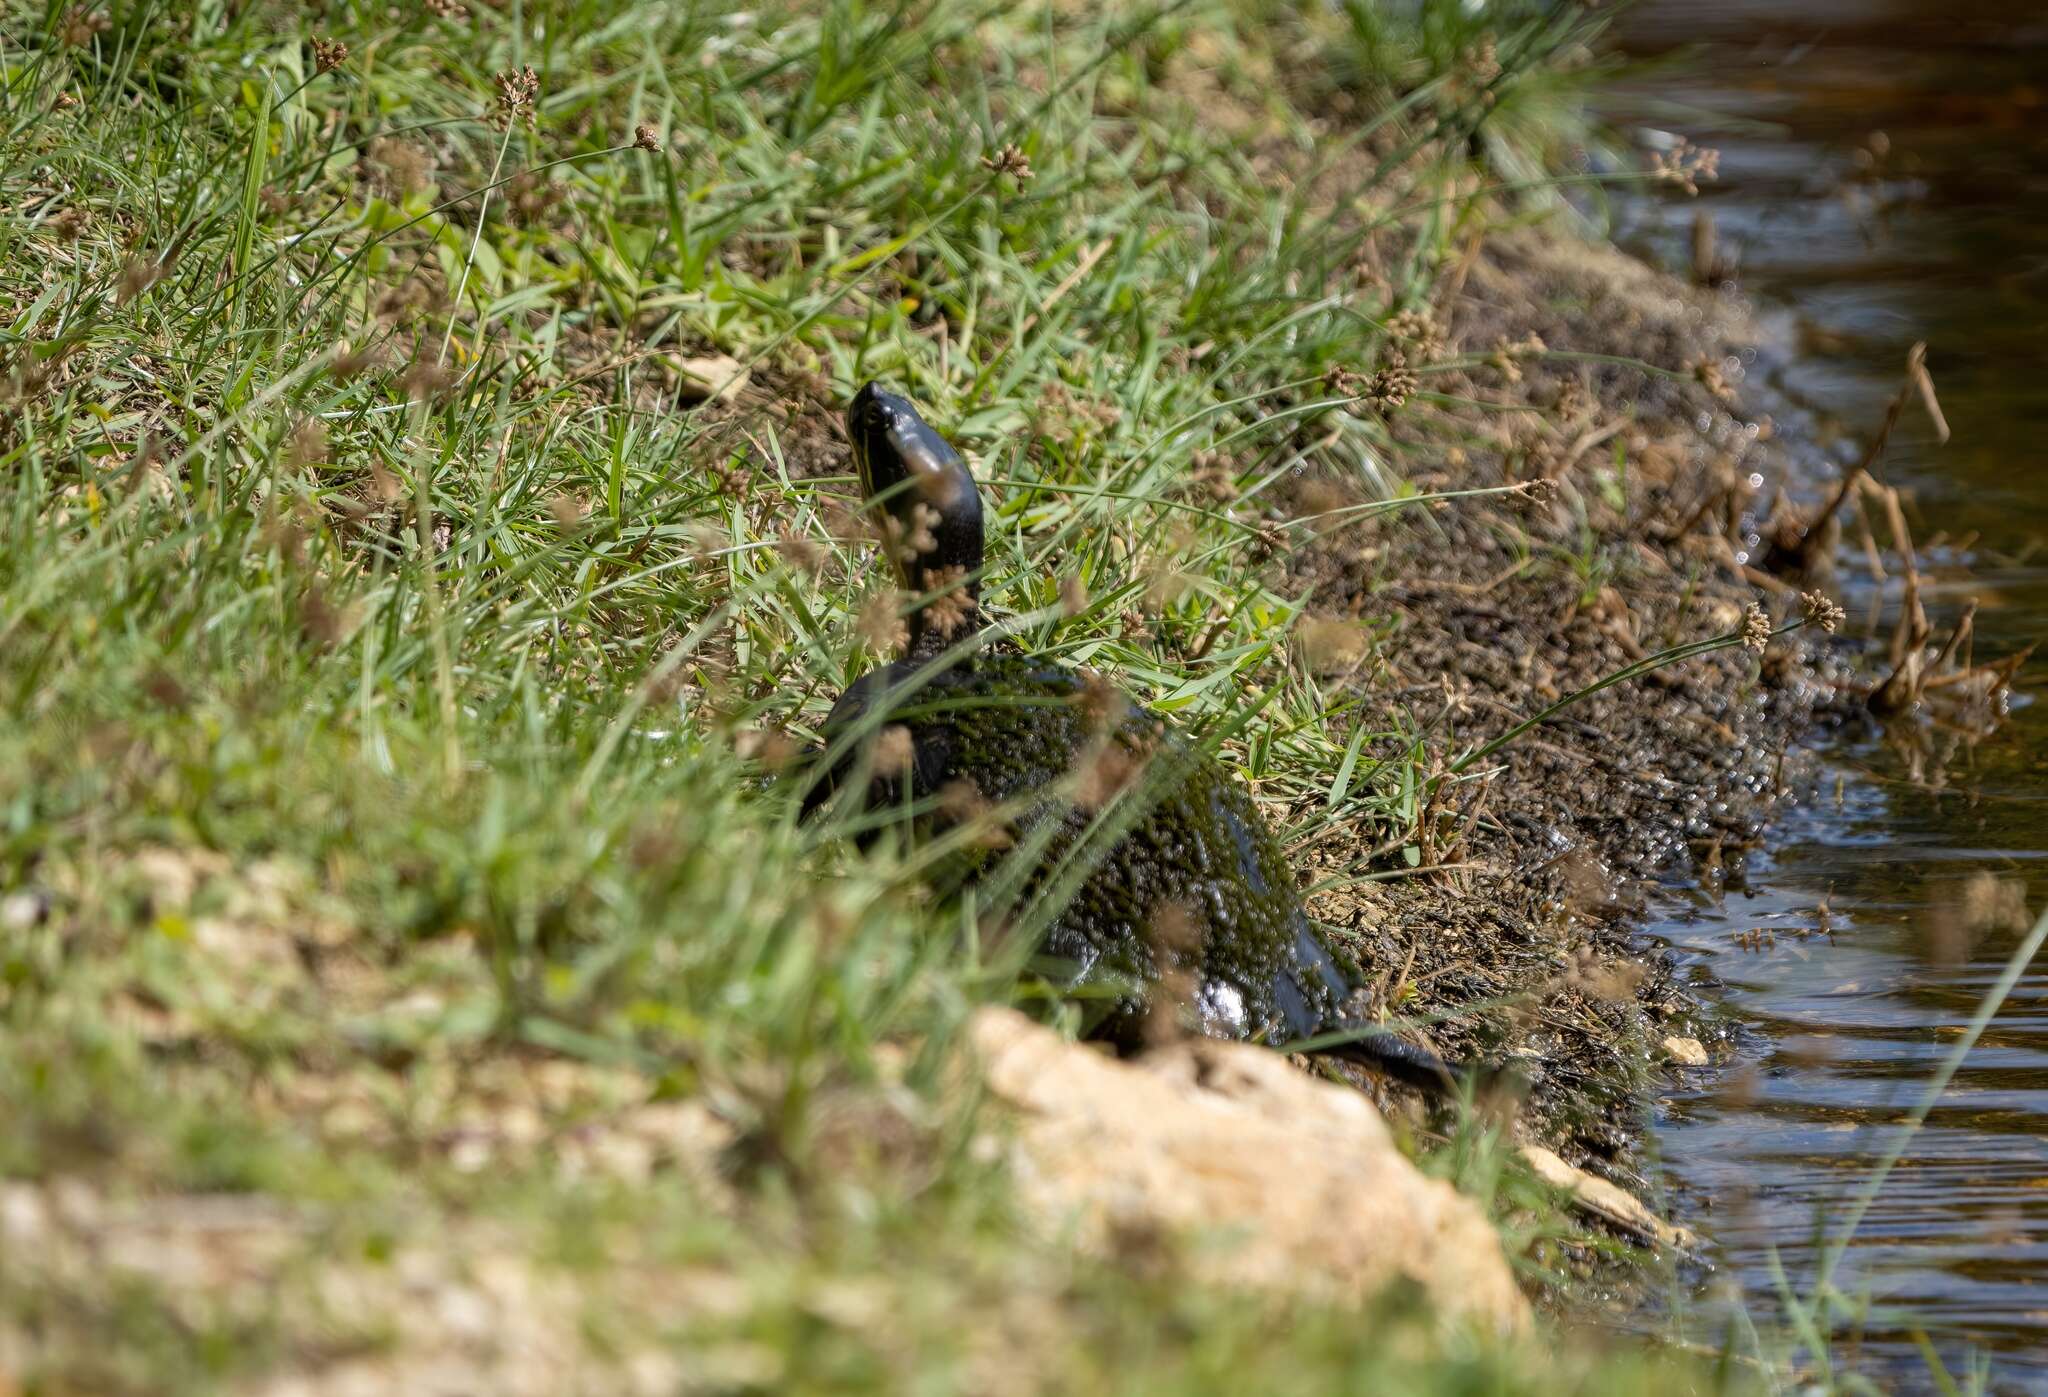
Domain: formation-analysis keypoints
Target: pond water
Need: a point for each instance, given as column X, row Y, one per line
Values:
column 1884, row 179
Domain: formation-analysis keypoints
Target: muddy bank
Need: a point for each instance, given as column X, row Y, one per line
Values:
column 1506, row 921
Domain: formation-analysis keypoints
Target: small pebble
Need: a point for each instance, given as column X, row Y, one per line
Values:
column 1686, row 1051
column 20, row 911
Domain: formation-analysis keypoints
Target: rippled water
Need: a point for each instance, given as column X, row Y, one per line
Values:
column 1862, row 244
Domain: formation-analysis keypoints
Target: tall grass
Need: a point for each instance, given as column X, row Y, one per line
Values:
column 346, row 394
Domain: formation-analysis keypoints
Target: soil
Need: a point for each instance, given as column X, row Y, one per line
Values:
column 1511, row 940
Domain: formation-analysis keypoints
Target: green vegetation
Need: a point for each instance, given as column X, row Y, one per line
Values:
column 422, row 541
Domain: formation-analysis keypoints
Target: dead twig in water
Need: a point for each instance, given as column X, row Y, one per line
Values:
column 1797, row 544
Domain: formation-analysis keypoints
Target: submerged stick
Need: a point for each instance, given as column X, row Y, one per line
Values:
column 1797, row 545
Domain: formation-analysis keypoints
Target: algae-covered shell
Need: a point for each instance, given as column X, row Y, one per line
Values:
column 1182, row 881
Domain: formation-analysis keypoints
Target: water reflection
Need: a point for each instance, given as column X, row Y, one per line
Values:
column 1885, row 180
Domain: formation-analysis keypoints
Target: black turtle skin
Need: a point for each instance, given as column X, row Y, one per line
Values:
column 997, row 737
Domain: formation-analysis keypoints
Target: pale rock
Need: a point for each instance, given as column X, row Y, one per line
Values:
column 21, row 911
column 1228, row 1142
column 1688, row 1052
column 718, row 375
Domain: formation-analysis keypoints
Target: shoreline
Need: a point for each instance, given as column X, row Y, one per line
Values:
column 1672, row 772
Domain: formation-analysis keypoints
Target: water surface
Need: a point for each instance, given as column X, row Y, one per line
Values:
column 1884, row 180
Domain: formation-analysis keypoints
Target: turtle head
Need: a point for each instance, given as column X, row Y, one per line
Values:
column 926, row 504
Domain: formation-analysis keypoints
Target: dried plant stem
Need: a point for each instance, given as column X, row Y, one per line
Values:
column 437, row 617
column 1961, row 634
column 1913, row 627
column 1800, row 545
column 483, row 209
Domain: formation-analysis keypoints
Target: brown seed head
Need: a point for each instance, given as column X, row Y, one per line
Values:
column 1992, row 903
column 962, row 802
column 1165, row 584
column 407, row 299
column 137, row 276
column 1213, row 473
column 329, row 54
column 1417, row 328
column 424, row 382
column 307, row 445
column 400, row 166
column 842, row 523
column 1573, row 401
column 70, row 225
column 518, row 98
column 1504, row 363
column 1482, row 60
column 324, row 623
column 1392, row 383
column 1756, row 628
column 895, row 750
column 1345, row 382
column 1318, row 497
column 799, row 554
column 1713, row 378
column 1100, row 702
column 733, row 477
column 950, row 607
column 771, row 747
column 1170, row 1017
column 907, row 542
column 80, row 26
column 286, row 536
column 383, row 484
column 1104, row 770
column 534, row 199
column 1008, row 161
column 1821, row 610
column 567, row 512
column 1174, row 932
column 1686, row 165
column 347, row 363
column 645, row 137
column 1328, row 645
column 881, row 625
column 1606, row 981
column 939, row 489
